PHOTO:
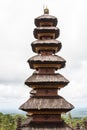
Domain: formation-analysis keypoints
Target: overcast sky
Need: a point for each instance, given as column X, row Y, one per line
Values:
column 16, row 35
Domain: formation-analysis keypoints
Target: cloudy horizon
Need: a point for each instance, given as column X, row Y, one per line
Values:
column 16, row 35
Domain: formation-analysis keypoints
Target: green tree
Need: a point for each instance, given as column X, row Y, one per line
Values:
column 70, row 118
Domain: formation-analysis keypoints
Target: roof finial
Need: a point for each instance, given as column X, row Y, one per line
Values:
column 46, row 10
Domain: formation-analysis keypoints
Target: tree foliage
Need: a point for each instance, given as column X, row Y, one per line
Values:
column 73, row 121
column 9, row 121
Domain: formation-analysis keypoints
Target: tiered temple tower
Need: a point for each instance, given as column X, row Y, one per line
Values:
column 45, row 106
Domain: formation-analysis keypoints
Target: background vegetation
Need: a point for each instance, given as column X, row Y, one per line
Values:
column 9, row 121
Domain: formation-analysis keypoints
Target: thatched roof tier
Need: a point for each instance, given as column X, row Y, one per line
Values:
column 46, row 45
column 57, row 103
column 46, row 30
column 45, row 18
column 45, row 126
column 48, row 86
column 47, row 112
column 50, row 61
column 46, row 79
column 48, row 42
column 43, row 118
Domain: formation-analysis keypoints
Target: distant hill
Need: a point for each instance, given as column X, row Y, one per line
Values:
column 11, row 111
column 79, row 112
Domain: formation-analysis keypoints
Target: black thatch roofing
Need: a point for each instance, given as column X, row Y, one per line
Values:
column 49, row 126
column 45, row 18
column 56, row 103
column 41, row 60
column 46, row 30
column 46, row 79
column 39, row 45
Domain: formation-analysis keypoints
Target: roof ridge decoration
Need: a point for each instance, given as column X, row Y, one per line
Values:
column 46, row 10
